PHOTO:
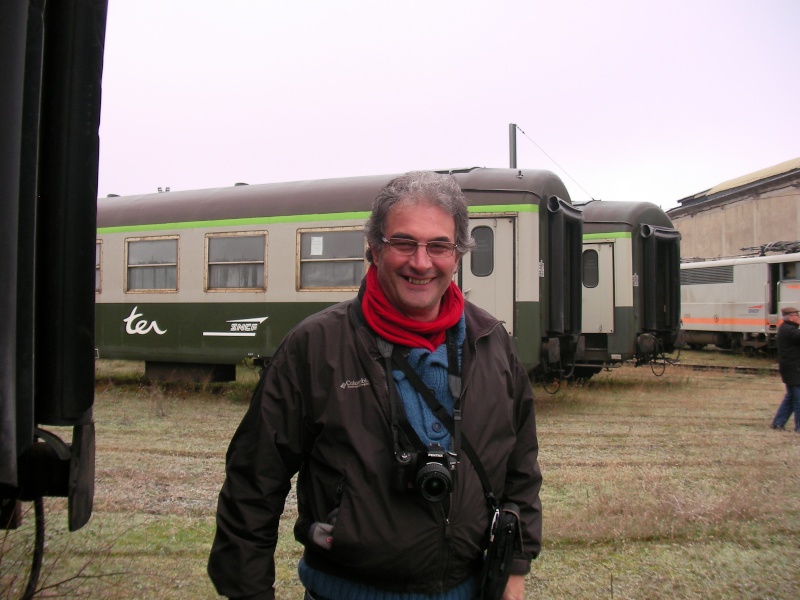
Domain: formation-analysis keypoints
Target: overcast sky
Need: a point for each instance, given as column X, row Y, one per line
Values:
column 623, row 99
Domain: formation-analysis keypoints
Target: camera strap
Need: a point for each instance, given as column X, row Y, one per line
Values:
column 453, row 423
column 399, row 419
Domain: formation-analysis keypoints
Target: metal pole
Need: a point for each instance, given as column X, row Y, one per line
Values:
column 512, row 144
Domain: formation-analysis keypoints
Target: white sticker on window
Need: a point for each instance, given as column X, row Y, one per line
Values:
column 316, row 246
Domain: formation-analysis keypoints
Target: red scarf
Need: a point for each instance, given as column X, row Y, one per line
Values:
column 394, row 326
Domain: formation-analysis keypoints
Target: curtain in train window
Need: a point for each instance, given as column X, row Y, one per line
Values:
column 331, row 259
column 236, row 261
column 152, row 264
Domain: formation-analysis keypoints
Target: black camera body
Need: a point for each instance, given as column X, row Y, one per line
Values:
column 430, row 472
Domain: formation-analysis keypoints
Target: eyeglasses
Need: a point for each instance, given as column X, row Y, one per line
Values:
column 409, row 247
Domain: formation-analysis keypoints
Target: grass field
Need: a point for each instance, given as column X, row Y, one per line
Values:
column 655, row 487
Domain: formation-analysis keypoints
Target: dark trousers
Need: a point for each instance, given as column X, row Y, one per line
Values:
column 790, row 404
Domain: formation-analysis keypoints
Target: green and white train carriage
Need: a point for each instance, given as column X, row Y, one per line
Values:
column 631, row 285
column 193, row 282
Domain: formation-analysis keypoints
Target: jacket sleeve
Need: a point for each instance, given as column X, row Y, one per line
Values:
column 523, row 476
column 262, row 457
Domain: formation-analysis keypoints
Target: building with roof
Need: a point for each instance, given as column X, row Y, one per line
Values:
column 744, row 213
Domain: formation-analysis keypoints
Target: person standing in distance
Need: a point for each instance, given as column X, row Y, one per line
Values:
column 332, row 407
column 789, row 367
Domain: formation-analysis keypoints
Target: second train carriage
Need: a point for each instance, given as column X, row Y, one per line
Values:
column 630, row 281
column 196, row 281
column 735, row 303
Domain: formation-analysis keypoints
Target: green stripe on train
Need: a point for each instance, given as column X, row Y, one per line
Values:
column 610, row 234
column 348, row 216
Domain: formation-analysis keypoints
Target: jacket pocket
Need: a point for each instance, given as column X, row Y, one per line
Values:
column 311, row 528
column 321, row 534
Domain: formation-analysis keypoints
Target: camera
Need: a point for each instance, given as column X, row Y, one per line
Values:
column 429, row 472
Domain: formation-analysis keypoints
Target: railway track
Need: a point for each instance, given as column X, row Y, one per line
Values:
column 772, row 370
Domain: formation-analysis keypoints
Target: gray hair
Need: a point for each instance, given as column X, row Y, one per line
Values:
column 420, row 187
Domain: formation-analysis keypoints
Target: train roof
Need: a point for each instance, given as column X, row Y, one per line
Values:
column 743, row 260
column 604, row 216
column 321, row 196
column 541, row 183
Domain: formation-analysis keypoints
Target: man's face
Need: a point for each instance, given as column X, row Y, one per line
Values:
column 415, row 284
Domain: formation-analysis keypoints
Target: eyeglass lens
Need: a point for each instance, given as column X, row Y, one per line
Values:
column 409, row 247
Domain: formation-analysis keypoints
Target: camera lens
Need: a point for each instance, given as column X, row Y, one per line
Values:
column 434, row 482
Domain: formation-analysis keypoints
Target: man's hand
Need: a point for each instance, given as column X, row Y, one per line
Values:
column 515, row 588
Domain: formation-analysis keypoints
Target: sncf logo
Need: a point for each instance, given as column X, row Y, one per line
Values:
column 136, row 326
column 239, row 328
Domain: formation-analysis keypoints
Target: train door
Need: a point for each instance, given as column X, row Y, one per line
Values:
column 789, row 286
column 487, row 273
column 597, row 275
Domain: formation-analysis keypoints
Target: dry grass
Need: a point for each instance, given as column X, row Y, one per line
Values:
column 654, row 487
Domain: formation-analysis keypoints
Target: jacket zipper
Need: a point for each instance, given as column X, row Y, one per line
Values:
column 448, row 534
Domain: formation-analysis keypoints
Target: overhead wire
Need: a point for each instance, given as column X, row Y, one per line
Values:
column 554, row 161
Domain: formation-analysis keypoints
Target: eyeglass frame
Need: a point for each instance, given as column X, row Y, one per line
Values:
column 453, row 249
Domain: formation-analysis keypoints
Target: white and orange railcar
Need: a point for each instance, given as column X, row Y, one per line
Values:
column 735, row 303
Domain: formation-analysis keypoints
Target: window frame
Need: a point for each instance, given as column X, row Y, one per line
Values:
column 207, row 265
column 480, row 254
column 790, row 271
column 299, row 260
column 176, row 264
column 596, row 268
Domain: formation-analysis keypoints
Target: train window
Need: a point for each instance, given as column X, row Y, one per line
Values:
column 98, row 253
column 330, row 259
column 790, row 271
column 152, row 264
column 236, row 261
column 482, row 255
column 590, row 269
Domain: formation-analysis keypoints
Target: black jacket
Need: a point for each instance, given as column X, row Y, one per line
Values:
column 322, row 408
column 789, row 353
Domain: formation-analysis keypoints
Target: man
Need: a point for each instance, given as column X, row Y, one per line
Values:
column 789, row 367
column 334, row 406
